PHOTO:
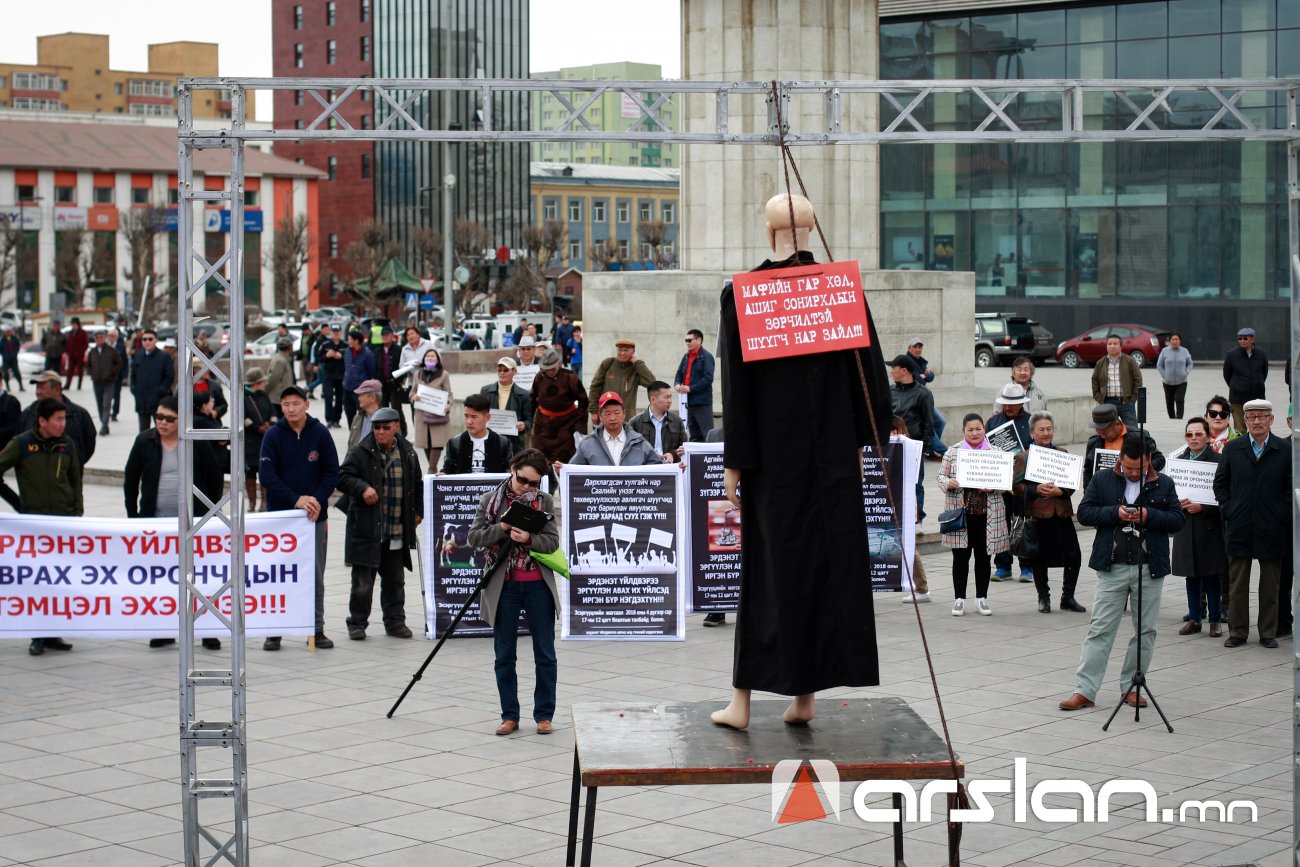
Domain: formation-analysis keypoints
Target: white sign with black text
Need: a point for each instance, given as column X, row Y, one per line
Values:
column 985, row 469
column 1049, row 466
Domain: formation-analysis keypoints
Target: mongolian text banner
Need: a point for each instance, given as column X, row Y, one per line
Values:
column 622, row 532
column 801, row 311
column 118, row 577
column 713, row 532
column 891, row 528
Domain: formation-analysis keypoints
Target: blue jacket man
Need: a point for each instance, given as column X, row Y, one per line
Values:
column 694, row 379
column 299, row 468
column 358, row 366
column 1135, row 511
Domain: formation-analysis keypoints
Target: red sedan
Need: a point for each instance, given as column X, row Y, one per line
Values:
column 1141, row 342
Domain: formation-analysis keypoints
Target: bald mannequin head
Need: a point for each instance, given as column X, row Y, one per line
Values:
column 784, row 238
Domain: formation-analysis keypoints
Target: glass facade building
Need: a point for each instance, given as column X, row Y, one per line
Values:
column 1059, row 230
column 452, row 39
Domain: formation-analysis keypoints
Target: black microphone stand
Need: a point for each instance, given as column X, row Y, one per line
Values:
column 1138, row 685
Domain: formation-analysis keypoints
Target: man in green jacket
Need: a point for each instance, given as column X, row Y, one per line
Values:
column 624, row 373
column 49, row 478
column 1116, row 379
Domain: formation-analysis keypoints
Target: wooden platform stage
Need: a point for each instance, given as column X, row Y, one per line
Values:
column 678, row 745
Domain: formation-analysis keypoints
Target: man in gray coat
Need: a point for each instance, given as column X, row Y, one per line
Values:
column 614, row 444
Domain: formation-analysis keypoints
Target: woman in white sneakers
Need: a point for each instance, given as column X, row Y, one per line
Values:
column 985, row 532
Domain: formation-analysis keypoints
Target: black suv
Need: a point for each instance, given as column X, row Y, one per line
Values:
column 1003, row 337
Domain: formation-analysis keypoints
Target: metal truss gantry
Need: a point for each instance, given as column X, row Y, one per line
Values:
column 743, row 113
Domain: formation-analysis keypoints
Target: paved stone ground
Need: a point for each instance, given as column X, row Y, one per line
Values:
column 89, row 760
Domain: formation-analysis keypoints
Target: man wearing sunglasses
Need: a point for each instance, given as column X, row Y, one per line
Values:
column 151, row 377
column 1245, row 370
column 695, row 380
column 380, row 477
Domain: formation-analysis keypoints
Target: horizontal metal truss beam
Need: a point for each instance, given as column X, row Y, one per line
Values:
column 1038, row 110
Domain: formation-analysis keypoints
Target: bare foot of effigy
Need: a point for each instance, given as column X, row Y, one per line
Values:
column 800, row 711
column 736, row 714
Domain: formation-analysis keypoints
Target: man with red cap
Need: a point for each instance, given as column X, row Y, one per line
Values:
column 615, row 444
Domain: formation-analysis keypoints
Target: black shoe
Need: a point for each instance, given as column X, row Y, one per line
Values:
column 161, row 642
column 1187, row 617
column 399, row 632
column 56, row 644
column 103, row 430
column 1284, row 631
column 1044, row 605
column 271, row 644
column 37, row 647
column 715, row 619
column 1234, row 641
column 212, row 644
column 1068, row 604
column 356, row 633
column 323, row 642
column 1270, row 643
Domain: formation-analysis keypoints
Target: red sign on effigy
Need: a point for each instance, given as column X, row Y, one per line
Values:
column 801, row 311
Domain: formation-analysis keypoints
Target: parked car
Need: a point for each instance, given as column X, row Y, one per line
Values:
column 1142, row 343
column 1000, row 338
column 264, row 346
column 31, row 360
column 328, row 314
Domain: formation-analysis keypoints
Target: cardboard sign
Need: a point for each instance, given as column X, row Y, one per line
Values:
column 430, row 399
column 1104, row 459
column 1006, row 438
column 1057, row 468
column 801, row 311
column 985, row 469
column 1194, row 480
column 504, row 422
column 525, row 374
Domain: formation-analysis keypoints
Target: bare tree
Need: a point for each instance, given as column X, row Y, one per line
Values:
column 69, row 255
column 428, row 250
column 290, row 253
column 541, row 243
column 98, row 265
column 140, row 227
column 469, row 239
column 655, row 233
column 604, row 255
column 11, row 235
column 366, row 257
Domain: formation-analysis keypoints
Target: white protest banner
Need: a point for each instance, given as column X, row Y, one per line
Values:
column 1194, row 480
column 985, row 469
column 713, row 540
column 430, row 399
column 1104, row 459
column 504, row 422
column 525, row 374
column 632, row 589
column 118, row 577
column 1049, row 466
column 1006, row 438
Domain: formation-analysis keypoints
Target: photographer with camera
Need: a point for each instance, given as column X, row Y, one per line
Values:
column 1135, row 510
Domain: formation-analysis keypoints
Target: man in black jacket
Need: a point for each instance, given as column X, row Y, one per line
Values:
column 80, row 428
column 1253, row 488
column 1135, row 511
column 1111, row 433
column 914, row 404
column 504, row 394
column 661, row 427
column 152, row 374
column 477, row 450
column 381, row 478
column 329, row 355
column 1245, row 370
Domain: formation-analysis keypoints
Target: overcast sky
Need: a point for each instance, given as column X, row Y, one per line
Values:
column 564, row 32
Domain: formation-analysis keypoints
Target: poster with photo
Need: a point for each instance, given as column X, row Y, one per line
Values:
column 623, row 534
column 891, row 531
column 713, row 533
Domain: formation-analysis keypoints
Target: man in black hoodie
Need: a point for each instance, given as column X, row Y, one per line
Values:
column 299, row 467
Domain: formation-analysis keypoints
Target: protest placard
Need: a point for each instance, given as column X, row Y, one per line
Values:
column 118, row 577
column 1006, row 438
column 891, row 530
column 985, row 469
column 525, row 374
column 1104, row 459
column 1049, row 466
column 621, row 526
column 713, row 539
column 801, row 311
column 504, row 422
column 1193, row 480
column 430, row 399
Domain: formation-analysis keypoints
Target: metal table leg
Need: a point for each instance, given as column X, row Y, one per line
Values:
column 573, row 811
column 898, row 831
column 589, row 826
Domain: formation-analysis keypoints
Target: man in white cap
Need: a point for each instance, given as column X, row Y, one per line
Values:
column 506, row 394
column 527, row 367
column 1245, row 370
column 1253, row 489
column 1010, row 404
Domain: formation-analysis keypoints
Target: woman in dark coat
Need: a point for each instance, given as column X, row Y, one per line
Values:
column 520, row 583
column 1198, row 549
column 1058, row 542
column 794, row 429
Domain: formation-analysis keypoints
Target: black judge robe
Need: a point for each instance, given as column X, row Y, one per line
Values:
column 806, row 620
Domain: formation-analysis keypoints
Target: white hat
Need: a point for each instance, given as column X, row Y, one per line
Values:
column 527, row 341
column 1012, row 394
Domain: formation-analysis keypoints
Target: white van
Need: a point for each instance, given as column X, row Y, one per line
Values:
column 488, row 331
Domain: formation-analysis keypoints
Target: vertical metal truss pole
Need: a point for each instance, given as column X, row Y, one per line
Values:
column 1293, row 349
column 222, row 572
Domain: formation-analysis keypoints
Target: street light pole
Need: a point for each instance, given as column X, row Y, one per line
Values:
column 448, row 184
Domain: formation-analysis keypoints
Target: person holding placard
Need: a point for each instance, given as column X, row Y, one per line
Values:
column 985, row 533
column 1199, row 554
column 507, row 395
column 1049, row 505
column 518, row 583
column 431, row 431
column 1110, row 435
column 1011, row 407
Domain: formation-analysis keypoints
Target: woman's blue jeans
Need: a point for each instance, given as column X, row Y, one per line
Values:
column 534, row 599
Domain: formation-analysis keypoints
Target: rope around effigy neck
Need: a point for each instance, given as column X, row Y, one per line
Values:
column 788, row 164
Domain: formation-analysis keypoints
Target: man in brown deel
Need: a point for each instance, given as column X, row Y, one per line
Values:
column 624, row 373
